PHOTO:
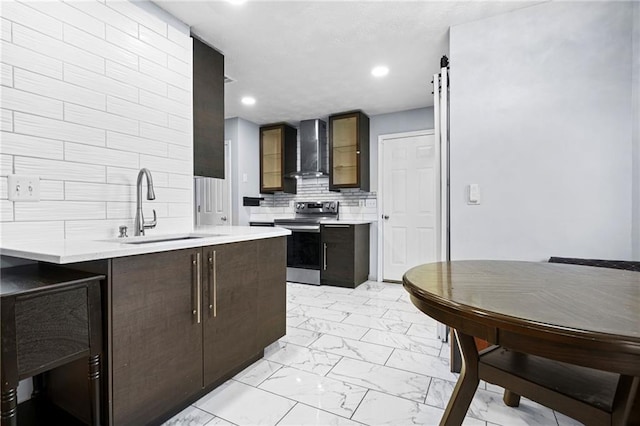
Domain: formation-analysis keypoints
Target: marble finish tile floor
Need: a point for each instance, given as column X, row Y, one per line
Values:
column 354, row 357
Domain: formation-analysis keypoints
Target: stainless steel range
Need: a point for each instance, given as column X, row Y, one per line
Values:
column 304, row 252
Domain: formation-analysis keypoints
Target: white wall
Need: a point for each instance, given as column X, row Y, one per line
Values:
column 91, row 93
column 245, row 139
column 636, row 130
column 541, row 119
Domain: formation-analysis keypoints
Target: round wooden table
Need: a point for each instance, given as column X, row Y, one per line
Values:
column 567, row 336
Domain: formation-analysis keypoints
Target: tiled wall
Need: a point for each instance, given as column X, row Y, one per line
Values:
column 92, row 92
column 353, row 202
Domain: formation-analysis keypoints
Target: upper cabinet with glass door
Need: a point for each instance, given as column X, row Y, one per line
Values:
column 349, row 151
column 277, row 158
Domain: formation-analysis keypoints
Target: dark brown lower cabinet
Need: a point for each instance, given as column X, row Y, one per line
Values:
column 230, row 308
column 345, row 260
column 183, row 321
column 156, row 341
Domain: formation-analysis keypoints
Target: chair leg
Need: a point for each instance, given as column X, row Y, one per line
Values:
column 511, row 399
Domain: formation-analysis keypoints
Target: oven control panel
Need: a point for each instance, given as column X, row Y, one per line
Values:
column 317, row 207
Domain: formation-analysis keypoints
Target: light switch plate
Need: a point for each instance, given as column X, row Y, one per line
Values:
column 23, row 188
column 474, row 194
column 370, row 202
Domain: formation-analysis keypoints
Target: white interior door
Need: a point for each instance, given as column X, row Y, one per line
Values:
column 213, row 197
column 410, row 203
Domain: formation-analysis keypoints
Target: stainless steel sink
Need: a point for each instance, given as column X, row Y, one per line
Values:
column 161, row 238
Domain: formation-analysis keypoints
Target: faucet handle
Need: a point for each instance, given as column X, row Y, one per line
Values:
column 153, row 223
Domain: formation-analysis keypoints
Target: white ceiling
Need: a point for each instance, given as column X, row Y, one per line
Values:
column 309, row 59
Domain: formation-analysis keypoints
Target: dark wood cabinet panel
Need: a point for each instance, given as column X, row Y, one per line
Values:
column 349, row 151
column 278, row 152
column 208, row 111
column 230, row 307
column 156, row 340
column 345, row 255
column 272, row 290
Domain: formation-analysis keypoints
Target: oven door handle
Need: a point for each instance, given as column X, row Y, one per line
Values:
column 302, row 228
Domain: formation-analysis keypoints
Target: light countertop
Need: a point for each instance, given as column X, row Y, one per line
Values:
column 71, row 251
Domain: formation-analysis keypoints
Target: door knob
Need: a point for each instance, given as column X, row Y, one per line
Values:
column 385, row 217
column 223, row 218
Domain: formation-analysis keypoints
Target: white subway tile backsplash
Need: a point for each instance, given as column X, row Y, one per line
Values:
column 63, row 12
column 27, row 16
column 32, row 231
column 85, row 191
column 19, row 100
column 7, row 120
column 59, row 210
column 57, row 49
column 133, row 44
column 51, row 190
column 129, row 76
column 91, row 43
column 6, row 164
column 91, row 92
column 140, row 112
column 6, row 211
column 59, row 170
column 96, row 229
column 121, row 176
column 24, row 58
column 31, row 146
column 164, row 104
column 3, row 188
column 89, row 154
column 136, row 144
column 5, row 29
column 180, row 95
column 99, row 83
column 6, row 78
column 179, row 66
column 150, row 68
column 138, row 14
column 164, row 134
column 178, row 36
column 99, row 119
column 169, row 165
column 180, row 124
column 180, row 152
column 57, row 89
column 106, row 14
column 56, row 129
column 163, row 43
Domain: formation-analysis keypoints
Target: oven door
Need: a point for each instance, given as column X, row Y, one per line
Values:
column 304, row 254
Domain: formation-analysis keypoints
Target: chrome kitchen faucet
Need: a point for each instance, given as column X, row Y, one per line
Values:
column 140, row 224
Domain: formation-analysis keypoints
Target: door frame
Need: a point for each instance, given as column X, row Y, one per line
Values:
column 442, row 207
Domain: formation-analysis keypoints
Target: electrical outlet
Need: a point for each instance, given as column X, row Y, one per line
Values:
column 370, row 202
column 24, row 188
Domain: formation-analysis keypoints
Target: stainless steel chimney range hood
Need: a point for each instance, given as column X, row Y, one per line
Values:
column 314, row 150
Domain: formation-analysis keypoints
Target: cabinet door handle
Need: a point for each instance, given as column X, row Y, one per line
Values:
column 336, row 226
column 215, row 285
column 199, row 293
column 211, row 290
column 324, row 256
column 194, row 287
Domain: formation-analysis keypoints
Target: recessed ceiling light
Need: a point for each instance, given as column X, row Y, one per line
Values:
column 248, row 100
column 237, row 1
column 380, row 71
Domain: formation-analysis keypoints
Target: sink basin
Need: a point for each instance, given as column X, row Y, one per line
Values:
column 160, row 238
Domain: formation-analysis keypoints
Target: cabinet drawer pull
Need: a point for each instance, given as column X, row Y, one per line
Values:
column 324, row 256
column 199, row 292
column 336, row 226
column 215, row 286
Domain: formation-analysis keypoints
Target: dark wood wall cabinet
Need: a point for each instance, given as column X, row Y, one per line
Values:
column 208, row 111
column 51, row 316
column 345, row 254
column 349, row 151
column 184, row 321
column 278, row 151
